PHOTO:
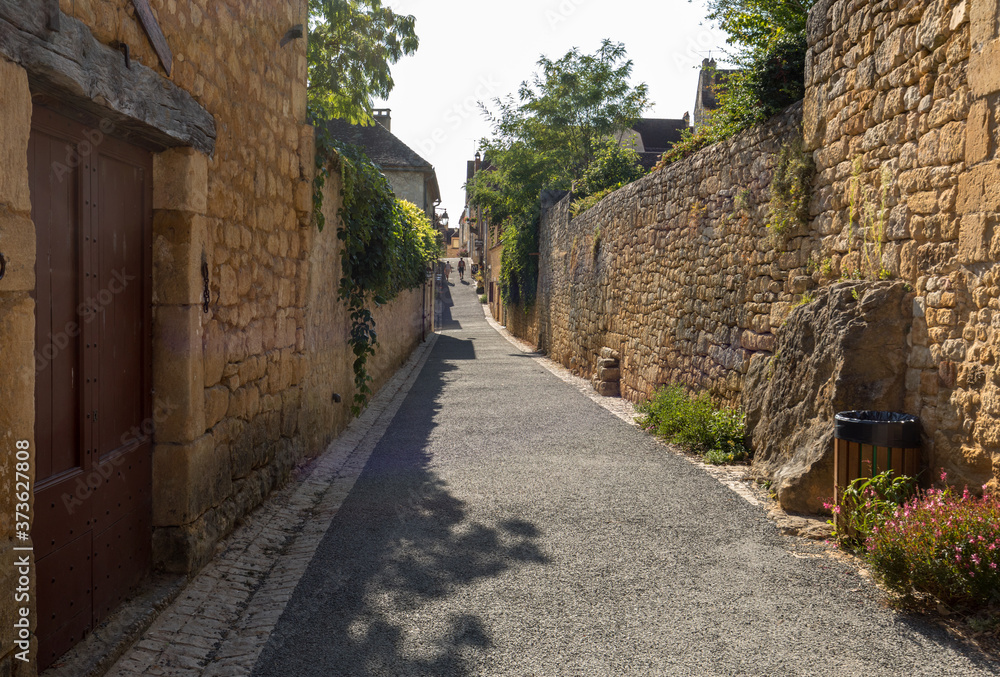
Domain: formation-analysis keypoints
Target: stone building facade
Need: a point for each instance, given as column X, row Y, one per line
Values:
column 681, row 274
column 172, row 343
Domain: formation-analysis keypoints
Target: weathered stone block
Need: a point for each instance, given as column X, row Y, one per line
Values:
column 978, row 141
column 303, row 198
column 974, row 239
column 834, row 354
column 17, row 244
column 984, row 70
column 983, row 16
column 178, row 251
column 608, row 389
column 214, row 353
column 216, row 404
column 609, row 354
column 183, row 549
column 979, row 189
column 923, row 203
column 180, row 180
column 15, row 126
column 188, row 479
column 17, row 368
column 179, row 373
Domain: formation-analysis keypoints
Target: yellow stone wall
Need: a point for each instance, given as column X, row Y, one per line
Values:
column 17, row 328
column 327, row 328
column 249, row 383
column 906, row 99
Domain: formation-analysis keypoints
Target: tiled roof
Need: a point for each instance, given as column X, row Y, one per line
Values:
column 385, row 149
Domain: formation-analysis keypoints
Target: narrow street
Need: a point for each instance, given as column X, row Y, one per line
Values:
column 507, row 525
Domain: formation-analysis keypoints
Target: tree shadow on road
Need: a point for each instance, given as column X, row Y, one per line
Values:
column 375, row 598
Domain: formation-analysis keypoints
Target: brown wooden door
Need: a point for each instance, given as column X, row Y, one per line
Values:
column 91, row 200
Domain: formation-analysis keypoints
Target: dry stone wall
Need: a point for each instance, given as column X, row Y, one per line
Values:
column 677, row 272
column 900, row 111
column 680, row 274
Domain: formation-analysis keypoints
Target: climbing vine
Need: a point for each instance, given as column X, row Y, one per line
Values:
column 387, row 244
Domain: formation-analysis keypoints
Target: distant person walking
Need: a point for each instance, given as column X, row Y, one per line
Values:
column 461, row 270
column 447, row 271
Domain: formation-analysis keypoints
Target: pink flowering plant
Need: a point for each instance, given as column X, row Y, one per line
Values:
column 937, row 541
column 943, row 543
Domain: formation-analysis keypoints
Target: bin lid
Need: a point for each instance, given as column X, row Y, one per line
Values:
column 878, row 428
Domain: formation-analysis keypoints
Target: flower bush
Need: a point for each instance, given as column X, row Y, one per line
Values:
column 943, row 543
column 867, row 502
column 696, row 423
column 937, row 541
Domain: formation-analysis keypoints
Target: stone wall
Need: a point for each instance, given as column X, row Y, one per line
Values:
column 680, row 274
column 400, row 327
column 244, row 391
column 900, row 106
column 17, row 325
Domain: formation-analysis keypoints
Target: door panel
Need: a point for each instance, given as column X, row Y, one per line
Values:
column 93, row 219
column 57, row 346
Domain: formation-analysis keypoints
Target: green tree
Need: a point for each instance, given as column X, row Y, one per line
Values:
column 352, row 44
column 547, row 138
column 758, row 24
column 768, row 40
column 613, row 167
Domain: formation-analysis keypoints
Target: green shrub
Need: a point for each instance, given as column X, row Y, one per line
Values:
column 942, row 543
column 865, row 503
column 696, row 423
column 582, row 204
column 482, row 299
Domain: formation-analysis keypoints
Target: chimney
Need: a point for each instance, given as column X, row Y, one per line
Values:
column 687, row 119
column 383, row 117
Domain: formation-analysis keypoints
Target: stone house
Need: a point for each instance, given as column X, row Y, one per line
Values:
column 710, row 80
column 412, row 177
column 171, row 346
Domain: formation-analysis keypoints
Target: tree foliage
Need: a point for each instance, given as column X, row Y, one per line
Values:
column 768, row 39
column 547, row 138
column 759, row 24
column 352, row 44
column 613, row 167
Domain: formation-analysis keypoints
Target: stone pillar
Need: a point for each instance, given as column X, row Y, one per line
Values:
column 190, row 474
column 17, row 337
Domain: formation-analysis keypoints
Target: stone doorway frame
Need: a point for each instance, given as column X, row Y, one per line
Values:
column 139, row 105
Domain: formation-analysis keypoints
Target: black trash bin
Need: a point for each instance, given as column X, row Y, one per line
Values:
column 867, row 443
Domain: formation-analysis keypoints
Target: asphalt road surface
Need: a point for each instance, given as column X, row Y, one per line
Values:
column 508, row 525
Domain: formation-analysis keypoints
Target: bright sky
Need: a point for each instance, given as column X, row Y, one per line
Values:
column 472, row 50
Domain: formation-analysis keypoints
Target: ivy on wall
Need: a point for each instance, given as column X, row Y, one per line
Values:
column 387, row 245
